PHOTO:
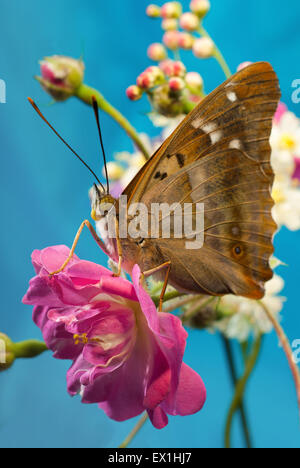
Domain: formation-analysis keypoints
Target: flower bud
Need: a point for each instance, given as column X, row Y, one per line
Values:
column 153, row 11
column 171, row 68
column 189, row 21
column 166, row 102
column 157, row 75
column 176, row 84
column 171, row 10
column 134, row 93
column 170, row 24
column 61, row 76
column 194, row 82
column 200, row 7
column 203, row 47
column 7, row 355
column 185, row 41
column 157, row 52
column 171, row 39
column 244, row 65
column 145, row 81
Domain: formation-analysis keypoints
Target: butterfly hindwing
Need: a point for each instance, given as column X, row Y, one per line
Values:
column 238, row 227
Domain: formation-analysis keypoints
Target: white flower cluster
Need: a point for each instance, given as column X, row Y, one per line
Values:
column 285, row 142
column 243, row 317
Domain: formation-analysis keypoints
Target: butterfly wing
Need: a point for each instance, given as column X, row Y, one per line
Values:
column 237, row 230
column 219, row 156
column 238, row 114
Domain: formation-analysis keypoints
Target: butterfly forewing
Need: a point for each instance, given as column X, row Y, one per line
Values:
column 219, row 156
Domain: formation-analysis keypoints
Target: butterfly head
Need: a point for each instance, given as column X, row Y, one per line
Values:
column 101, row 202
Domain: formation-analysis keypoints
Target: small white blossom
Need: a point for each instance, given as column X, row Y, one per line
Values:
column 246, row 316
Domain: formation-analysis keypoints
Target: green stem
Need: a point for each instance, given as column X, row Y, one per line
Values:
column 234, row 378
column 85, row 93
column 167, row 297
column 134, row 432
column 218, row 55
column 29, row 349
column 240, row 388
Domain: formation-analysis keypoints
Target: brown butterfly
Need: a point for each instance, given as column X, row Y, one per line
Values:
column 219, row 156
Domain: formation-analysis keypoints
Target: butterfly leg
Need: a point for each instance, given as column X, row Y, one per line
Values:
column 119, row 248
column 167, row 266
column 95, row 236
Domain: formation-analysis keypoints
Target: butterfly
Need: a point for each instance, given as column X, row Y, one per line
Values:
column 219, row 156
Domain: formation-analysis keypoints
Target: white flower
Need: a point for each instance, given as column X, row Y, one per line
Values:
column 285, row 142
column 286, row 211
column 246, row 316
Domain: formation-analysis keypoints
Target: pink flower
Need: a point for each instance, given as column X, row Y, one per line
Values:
column 281, row 110
column 296, row 174
column 126, row 356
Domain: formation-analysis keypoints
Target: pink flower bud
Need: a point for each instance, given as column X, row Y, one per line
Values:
column 171, row 68
column 189, row 21
column 61, row 76
column 134, row 93
column 179, row 69
column 171, row 10
column 171, row 39
column 157, row 52
column 176, row 84
column 200, row 7
column 170, row 24
column 145, row 80
column 185, row 41
column 194, row 82
column 156, row 75
column 244, row 65
column 203, row 47
column 153, row 11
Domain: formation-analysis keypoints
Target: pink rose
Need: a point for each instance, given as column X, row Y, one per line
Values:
column 126, row 356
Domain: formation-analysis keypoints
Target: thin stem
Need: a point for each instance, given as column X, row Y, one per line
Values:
column 240, row 388
column 286, row 347
column 134, row 431
column 218, row 55
column 234, row 378
column 85, row 93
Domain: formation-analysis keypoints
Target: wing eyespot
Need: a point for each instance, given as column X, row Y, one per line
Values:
column 238, row 251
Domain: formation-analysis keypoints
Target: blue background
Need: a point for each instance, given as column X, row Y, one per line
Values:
column 44, row 199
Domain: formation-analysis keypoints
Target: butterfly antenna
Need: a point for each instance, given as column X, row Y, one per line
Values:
column 67, row 145
column 96, row 110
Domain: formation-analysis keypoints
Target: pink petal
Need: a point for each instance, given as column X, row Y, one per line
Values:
column 190, row 396
column 158, row 418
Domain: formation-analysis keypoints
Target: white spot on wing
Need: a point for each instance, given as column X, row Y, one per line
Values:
column 212, row 129
column 232, row 96
column 197, row 122
column 235, row 144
